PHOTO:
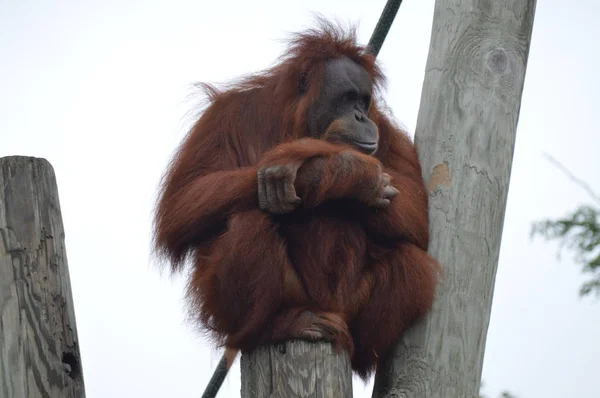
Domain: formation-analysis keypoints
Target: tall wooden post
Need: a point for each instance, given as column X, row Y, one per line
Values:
column 465, row 137
column 39, row 354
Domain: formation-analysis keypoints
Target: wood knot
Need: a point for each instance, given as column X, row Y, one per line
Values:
column 498, row 61
column 71, row 365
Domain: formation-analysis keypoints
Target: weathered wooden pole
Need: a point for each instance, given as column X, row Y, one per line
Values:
column 465, row 137
column 296, row 369
column 39, row 354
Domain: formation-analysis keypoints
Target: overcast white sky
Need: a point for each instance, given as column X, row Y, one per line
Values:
column 101, row 89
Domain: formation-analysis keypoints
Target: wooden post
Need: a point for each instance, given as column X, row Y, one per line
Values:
column 296, row 369
column 39, row 354
column 465, row 137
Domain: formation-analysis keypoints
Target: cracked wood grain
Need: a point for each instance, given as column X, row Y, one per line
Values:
column 465, row 137
column 39, row 354
column 296, row 369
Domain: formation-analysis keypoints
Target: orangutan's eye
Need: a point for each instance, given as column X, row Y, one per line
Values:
column 350, row 96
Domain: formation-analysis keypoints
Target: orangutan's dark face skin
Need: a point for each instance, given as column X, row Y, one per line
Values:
column 340, row 114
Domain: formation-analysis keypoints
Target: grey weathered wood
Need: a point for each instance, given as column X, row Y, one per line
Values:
column 465, row 137
column 39, row 354
column 296, row 369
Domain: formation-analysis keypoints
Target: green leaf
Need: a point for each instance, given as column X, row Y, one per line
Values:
column 580, row 233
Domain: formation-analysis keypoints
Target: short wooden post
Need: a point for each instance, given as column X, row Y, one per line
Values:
column 296, row 369
column 39, row 352
column 465, row 137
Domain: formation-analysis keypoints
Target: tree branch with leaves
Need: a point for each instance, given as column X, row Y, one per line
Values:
column 579, row 231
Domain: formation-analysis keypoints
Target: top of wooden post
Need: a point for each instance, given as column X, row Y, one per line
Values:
column 39, row 345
